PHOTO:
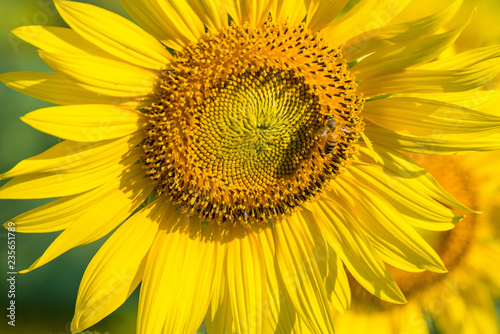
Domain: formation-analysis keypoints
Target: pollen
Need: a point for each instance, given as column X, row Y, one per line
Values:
column 250, row 123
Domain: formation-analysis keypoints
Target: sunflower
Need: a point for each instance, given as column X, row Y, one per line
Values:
column 247, row 153
column 460, row 301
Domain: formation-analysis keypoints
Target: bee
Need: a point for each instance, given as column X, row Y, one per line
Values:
column 328, row 131
column 331, row 123
column 331, row 142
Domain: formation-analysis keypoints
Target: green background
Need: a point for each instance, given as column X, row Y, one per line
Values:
column 45, row 298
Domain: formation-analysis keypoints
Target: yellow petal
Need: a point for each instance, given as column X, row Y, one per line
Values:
column 365, row 16
column 173, row 22
column 330, row 266
column 114, row 34
column 101, row 218
column 103, row 75
column 396, row 241
column 320, row 13
column 116, row 269
column 58, row 40
column 219, row 318
column 276, row 301
column 174, row 298
column 301, row 275
column 378, row 38
column 401, row 168
column 213, row 13
column 219, row 314
column 59, row 89
column 70, row 156
column 432, row 81
column 437, row 144
column 346, row 238
column 253, row 11
column 426, row 118
column 48, row 185
column 477, row 100
column 86, row 123
column 59, row 214
column 300, row 327
column 257, row 299
column 405, row 54
column 464, row 59
column 289, row 10
column 409, row 188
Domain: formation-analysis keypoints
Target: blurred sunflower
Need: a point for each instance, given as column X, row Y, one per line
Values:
column 460, row 301
column 253, row 150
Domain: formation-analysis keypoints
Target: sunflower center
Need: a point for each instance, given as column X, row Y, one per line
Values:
column 251, row 122
column 258, row 129
column 452, row 246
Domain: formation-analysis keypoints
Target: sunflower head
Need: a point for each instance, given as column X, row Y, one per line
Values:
column 255, row 144
column 251, row 122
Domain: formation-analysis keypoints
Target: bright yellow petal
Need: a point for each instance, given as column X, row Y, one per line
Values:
column 258, row 300
column 173, row 22
column 432, row 81
column 347, row 239
column 437, row 144
column 330, row 266
column 409, row 191
column 395, row 240
column 378, row 38
column 279, row 303
column 402, row 168
column 405, row 54
column 289, row 10
column 219, row 315
column 253, row 11
column 114, row 34
column 300, row 327
column 320, row 13
column 86, row 123
column 465, row 59
column 59, row 214
column 116, row 269
column 70, row 156
column 301, row 275
column 479, row 100
column 219, row 318
column 58, row 40
column 336, row 282
column 246, row 282
column 103, row 75
column 49, row 185
column 426, row 118
column 177, row 283
column 365, row 16
column 59, row 89
column 213, row 13
column 101, row 218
